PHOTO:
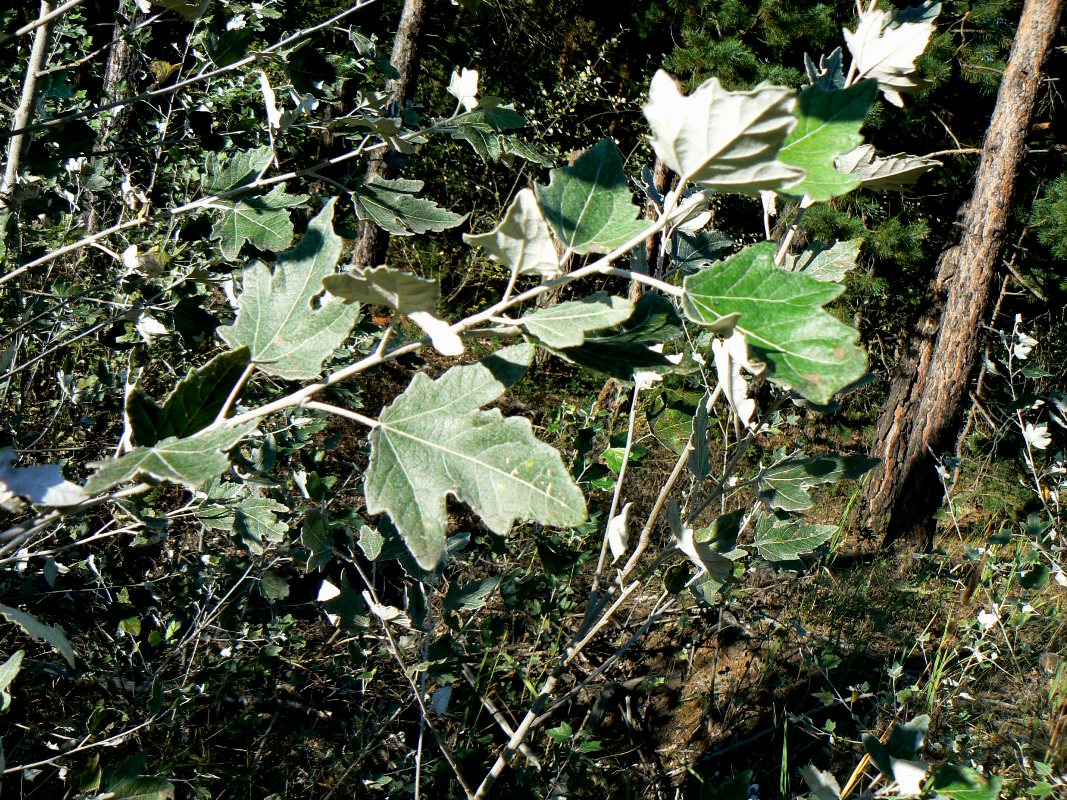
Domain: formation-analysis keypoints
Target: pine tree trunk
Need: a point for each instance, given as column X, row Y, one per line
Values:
column 921, row 418
column 373, row 241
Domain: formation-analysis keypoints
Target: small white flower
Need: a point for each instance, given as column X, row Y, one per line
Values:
column 464, row 87
column 76, row 165
column 236, row 22
column 1037, row 435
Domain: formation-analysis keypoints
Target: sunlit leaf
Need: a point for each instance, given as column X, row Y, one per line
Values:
column 826, row 262
column 804, row 347
column 262, row 221
column 724, row 140
column 957, row 782
column 434, row 440
column 521, row 241
column 892, row 172
column 565, row 324
column 785, row 540
column 288, row 329
column 589, row 204
column 40, row 484
column 190, row 462
column 828, row 125
column 885, row 46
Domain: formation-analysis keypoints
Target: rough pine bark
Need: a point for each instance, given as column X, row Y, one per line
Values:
column 922, row 415
column 373, row 241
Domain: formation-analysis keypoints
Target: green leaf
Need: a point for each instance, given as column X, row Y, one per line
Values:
column 370, row 542
column 824, row 262
column 315, row 537
column 786, row 540
column 242, row 168
column 471, row 596
column 670, row 417
column 409, row 294
column 190, row 462
column 191, row 405
column 785, row 485
column 589, row 204
column 885, row 45
column 8, row 671
column 829, row 74
column 736, row 788
column 804, row 347
column 828, row 125
column 892, row 172
column 139, row 787
column 727, row 141
column 699, row 461
column 625, row 349
column 40, row 632
column 287, row 334
column 186, row 9
column 521, row 241
column 392, row 205
column 513, row 146
column 566, row 324
column 263, row 221
column 433, row 441
column 385, row 286
column 274, row 585
column 957, row 782
column 256, row 522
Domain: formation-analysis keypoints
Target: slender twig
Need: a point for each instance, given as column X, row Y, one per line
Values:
column 342, row 412
column 292, row 39
column 395, row 652
column 231, row 398
column 42, row 20
column 110, row 741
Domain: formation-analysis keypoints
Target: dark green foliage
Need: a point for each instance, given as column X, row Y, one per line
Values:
column 1049, row 217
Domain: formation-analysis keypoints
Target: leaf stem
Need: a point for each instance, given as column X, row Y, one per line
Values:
column 355, row 416
column 231, row 398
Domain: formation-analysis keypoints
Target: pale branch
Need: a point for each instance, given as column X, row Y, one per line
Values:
column 17, row 142
column 42, row 20
column 359, row 5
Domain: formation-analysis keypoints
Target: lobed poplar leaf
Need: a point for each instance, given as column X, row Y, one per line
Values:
column 898, row 758
column 720, row 139
column 394, row 206
column 385, row 286
column 52, row 635
column 785, row 485
column 256, row 521
column 805, row 348
column 787, row 539
column 829, row 74
column 471, row 596
column 409, row 294
column 40, row 484
column 287, row 334
column 589, row 204
column 190, row 462
column 262, row 221
column 892, row 172
column 191, row 405
column 242, row 168
column 825, row 262
column 828, row 125
column 433, row 440
column 521, row 241
column 885, row 45
column 565, row 324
